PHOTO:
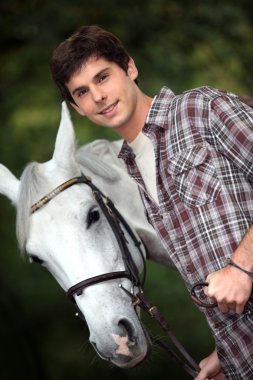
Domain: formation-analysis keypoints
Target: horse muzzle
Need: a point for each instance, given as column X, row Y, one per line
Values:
column 126, row 348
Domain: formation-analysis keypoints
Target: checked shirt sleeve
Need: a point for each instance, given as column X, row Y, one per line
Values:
column 232, row 125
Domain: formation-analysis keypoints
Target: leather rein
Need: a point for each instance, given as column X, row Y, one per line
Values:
column 116, row 221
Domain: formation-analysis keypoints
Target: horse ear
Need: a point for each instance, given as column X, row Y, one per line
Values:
column 9, row 184
column 64, row 151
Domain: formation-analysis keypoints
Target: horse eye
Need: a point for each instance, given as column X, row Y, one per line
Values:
column 36, row 259
column 93, row 216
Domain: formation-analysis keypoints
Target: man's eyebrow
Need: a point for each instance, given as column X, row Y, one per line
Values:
column 101, row 72
column 95, row 78
column 77, row 90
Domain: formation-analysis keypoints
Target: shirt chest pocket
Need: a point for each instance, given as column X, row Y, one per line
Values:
column 194, row 176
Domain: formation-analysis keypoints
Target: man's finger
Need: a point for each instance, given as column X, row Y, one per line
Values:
column 223, row 307
column 239, row 308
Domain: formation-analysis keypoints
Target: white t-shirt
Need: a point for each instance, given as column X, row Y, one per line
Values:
column 145, row 160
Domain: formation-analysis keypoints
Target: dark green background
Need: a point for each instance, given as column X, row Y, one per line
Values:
column 181, row 44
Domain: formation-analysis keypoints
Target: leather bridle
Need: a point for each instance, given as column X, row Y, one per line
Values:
column 116, row 222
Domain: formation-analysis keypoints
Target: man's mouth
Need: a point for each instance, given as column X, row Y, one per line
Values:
column 108, row 109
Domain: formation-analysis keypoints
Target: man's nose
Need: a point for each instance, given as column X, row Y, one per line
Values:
column 98, row 95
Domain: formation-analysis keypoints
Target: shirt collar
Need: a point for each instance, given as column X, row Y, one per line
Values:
column 157, row 116
column 158, row 111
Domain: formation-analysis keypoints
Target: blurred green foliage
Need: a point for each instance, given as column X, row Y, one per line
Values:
column 178, row 43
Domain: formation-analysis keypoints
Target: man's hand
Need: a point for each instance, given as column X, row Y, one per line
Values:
column 210, row 366
column 230, row 288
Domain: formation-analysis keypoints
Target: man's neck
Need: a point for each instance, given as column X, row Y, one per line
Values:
column 131, row 130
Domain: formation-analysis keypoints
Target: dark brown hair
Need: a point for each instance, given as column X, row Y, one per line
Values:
column 86, row 42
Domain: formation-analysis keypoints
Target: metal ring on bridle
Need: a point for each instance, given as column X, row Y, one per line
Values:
column 198, row 301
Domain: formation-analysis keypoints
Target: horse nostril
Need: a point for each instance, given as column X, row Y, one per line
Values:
column 132, row 342
column 127, row 328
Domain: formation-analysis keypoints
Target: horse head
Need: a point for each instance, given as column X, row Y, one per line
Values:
column 71, row 237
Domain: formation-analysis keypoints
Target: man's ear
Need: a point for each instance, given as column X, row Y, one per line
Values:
column 78, row 109
column 132, row 69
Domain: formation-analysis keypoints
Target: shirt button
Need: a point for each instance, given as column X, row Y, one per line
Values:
column 190, row 268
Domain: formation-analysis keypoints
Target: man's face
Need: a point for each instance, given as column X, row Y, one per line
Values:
column 105, row 93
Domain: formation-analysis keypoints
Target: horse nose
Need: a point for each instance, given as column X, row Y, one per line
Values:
column 126, row 328
column 121, row 340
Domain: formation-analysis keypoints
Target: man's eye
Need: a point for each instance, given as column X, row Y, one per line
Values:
column 103, row 77
column 82, row 93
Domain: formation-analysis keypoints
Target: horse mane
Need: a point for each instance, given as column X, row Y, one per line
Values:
column 96, row 163
column 104, row 150
column 32, row 187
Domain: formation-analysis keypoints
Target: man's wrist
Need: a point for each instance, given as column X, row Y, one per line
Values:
column 233, row 264
column 243, row 255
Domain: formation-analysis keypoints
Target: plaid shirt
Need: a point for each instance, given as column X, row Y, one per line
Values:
column 203, row 144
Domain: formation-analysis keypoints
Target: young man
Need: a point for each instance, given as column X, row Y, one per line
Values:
column 192, row 157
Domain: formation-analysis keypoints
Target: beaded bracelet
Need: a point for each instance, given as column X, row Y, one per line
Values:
column 241, row 269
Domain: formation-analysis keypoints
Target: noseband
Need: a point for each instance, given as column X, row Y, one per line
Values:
column 116, row 222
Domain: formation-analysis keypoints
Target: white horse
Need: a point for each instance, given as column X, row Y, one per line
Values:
column 71, row 237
